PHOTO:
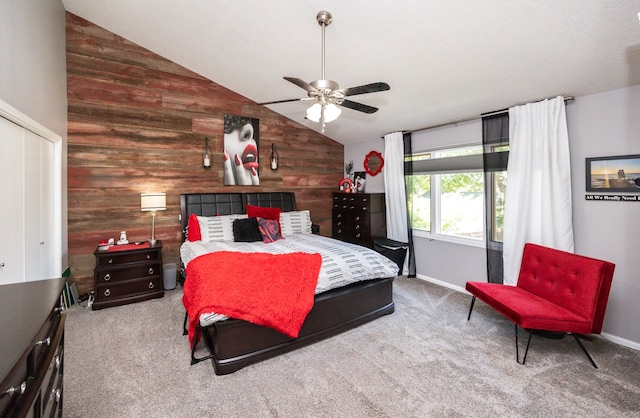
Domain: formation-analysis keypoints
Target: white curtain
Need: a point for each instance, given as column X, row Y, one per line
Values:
column 395, row 195
column 538, row 195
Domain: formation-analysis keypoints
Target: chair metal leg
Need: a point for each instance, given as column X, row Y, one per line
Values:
column 526, row 350
column 585, row 350
column 471, row 307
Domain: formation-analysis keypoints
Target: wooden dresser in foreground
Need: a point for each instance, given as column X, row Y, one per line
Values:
column 359, row 218
column 127, row 274
column 31, row 349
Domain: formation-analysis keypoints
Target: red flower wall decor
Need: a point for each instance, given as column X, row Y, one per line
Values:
column 373, row 163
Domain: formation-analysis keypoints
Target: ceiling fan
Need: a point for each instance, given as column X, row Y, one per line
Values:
column 327, row 94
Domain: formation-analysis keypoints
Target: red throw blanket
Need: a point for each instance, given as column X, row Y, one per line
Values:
column 265, row 289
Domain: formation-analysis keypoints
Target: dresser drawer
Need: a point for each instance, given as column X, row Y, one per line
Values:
column 52, row 385
column 127, row 257
column 110, row 275
column 115, row 291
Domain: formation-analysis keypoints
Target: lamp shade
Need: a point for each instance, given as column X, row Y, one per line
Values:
column 331, row 112
column 153, row 201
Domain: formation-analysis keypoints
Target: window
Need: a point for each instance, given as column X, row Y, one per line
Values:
column 446, row 193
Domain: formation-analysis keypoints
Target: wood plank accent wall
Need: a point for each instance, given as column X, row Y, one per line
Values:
column 137, row 123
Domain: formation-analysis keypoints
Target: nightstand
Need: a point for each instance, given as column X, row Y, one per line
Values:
column 127, row 274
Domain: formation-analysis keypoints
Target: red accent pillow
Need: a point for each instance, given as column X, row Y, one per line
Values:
column 193, row 228
column 266, row 213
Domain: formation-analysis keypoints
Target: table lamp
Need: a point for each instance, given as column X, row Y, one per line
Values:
column 152, row 202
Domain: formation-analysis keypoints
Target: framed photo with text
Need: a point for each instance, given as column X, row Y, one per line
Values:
column 613, row 174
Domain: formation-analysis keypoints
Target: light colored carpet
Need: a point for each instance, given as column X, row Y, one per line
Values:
column 423, row 360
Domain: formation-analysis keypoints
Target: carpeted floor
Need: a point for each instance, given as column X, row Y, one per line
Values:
column 424, row 360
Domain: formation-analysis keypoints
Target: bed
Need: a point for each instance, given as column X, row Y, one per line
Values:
column 235, row 343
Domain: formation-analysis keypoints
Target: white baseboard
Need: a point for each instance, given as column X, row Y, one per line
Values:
column 613, row 338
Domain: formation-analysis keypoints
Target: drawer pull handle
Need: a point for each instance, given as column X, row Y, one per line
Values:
column 357, row 226
column 357, row 218
column 339, row 215
column 107, row 277
column 107, row 292
column 110, row 261
column 58, row 309
column 364, row 199
column 57, row 362
column 46, row 341
column 151, row 285
column 364, row 208
column 339, row 231
column 150, row 270
column 352, row 207
column 55, row 394
column 148, row 256
column 357, row 235
column 339, row 223
column 20, row 390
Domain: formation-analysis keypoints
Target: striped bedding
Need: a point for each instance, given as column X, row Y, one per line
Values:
column 342, row 263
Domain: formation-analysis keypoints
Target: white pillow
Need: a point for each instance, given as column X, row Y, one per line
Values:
column 295, row 223
column 217, row 228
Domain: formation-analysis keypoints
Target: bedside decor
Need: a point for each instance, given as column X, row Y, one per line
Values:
column 373, row 163
column 152, row 202
column 274, row 157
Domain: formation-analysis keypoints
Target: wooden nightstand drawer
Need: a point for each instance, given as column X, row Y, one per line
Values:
column 138, row 270
column 127, row 257
column 123, row 289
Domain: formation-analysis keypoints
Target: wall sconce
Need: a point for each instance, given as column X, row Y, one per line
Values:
column 206, row 154
column 152, row 202
column 274, row 157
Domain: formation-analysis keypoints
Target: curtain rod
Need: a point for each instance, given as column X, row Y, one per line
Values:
column 496, row 112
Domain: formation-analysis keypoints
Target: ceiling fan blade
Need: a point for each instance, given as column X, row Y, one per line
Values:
column 300, row 83
column 367, row 88
column 359, row 107
column 283, row 101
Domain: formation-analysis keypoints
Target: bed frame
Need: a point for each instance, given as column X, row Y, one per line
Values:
column 235, row 343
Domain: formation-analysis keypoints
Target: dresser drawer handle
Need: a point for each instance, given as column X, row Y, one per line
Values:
column 148, row 256
column 151, row 285
column 352, row 207
column 357, row 218
column 357, row 226
column 46, row 341
column 339, row 223
column 110, row 261
column 339, row 231
column 57, row 361
column 107, row 277
column 150, row 270
column 107, row 292
column 364, row 208
column 339, row 215
column 364, row 199
column 20, row 390
column 357, row 235
column 55, row 394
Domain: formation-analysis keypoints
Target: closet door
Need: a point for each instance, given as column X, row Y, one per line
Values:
column 12, row 210
column 38, row 198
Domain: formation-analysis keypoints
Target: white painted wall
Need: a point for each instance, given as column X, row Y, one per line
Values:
column 33, row 76
column 608, row 124
column 602, row 124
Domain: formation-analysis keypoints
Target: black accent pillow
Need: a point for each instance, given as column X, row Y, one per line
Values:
column 246, row 230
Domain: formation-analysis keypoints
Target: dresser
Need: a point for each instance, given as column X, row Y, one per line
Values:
column 127, row 274
column 31, row 349
column 359, row 218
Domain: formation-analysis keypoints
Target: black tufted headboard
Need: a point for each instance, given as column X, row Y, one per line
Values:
column 212, row 204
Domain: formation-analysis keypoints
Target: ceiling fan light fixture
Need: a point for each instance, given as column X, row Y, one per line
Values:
column 313, row 112
column 331, row 112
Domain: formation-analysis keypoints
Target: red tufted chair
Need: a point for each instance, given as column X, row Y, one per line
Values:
column 557, row 292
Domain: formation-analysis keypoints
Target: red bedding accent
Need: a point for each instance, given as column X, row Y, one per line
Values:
column 274, row 290
column 127, row 247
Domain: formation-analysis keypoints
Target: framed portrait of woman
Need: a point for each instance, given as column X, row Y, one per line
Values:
column 241, row 137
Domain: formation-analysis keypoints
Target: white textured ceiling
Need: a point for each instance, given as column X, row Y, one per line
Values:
column 444, row 59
